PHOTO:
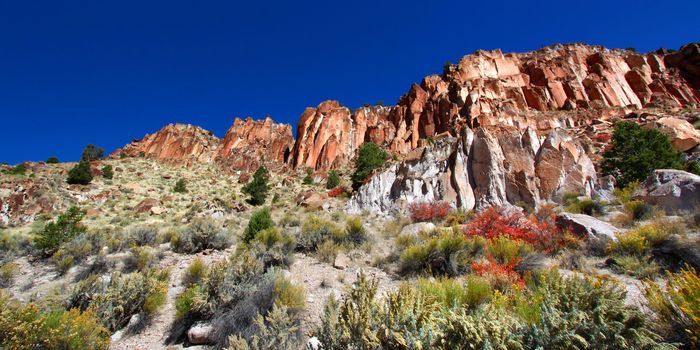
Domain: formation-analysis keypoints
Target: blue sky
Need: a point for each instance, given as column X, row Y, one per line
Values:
column 106, row 72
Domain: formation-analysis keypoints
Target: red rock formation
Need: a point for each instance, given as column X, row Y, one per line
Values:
column 327, row 136
column 174, row 144
column 494, row 90
column 250, row 142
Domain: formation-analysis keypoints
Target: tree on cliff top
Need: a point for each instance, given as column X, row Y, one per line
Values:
column 369, row 158
column 92, row 152
column 636, row 151
column 257, row 188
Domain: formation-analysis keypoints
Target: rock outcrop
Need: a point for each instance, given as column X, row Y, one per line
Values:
column 480, row 169
column 180, row 144
column 671, row 190
column 681, row 133
column 587, row 226
column 327, row 136
column 250, row 143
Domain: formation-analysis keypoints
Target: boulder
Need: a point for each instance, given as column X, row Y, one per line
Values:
column 587, row 226
column 341, row 261
column 682, row 134
column 200, row 333
column 145, row 205
column 414, row 229
column 672, row 190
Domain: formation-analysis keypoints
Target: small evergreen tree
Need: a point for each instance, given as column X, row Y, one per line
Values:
column 52, row 160
column 308, row 179
column 55, row 233
column 636, row 152
column 333, row 180
column 92, row 152
column 107, row 172
column 180, row 186
column 257, row 188
column 369, row 158
column 80, row 174
column 260, row 220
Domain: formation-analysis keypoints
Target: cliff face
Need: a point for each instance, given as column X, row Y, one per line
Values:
column 515, row 91
column 562, row 86
column 174, row 144
column 250, row 143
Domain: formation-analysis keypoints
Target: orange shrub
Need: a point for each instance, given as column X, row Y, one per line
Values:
column 495, row 222
column 429, row 211
column 501, row 271
column 337, row 191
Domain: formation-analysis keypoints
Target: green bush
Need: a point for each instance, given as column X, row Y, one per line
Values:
column 638, row 209
column 8, row 271
column 677, row 307
column 29, row 327
column 333, row 180
column 448, row 254
column 80, row 174
column 369, row 158
column 140, row 259
column 92, row 152
column 355, row 232
column 586, row 206
column 309, row 178
column 19, row 169
column 257, row 188
column 52, row 160
column 636, row 152
column 195, row 273
column 315, row 231
column 272, row 247
column 55, row 233
column 278, row 330
column 180, row 186
column 201, row 234
column 260, row 220
column 107, row 172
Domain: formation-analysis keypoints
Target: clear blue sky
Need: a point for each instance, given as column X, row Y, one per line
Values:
column 105, row 72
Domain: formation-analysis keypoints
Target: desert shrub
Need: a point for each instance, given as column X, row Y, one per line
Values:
column 52, row 160
column 309, row 178
column 639, row 210
column 636, row 152
column 336, row 192
column 195, row 273
column 92, row 152
column 63, row 229
column 677, row 306
column 448, row 254
column 632, row 252
column 327, row 251
column 586, row 206
column 581, row 312
column 289, row 220
column 369, row 158
column 257, row 188
column 457, row 217
column 13, row 244
column 180, row 186
column 273, row 247
column 502, row 275
column 430, row 211
column 473, row 292
column 355, row 231
column 333, row 180
column 30, row 327
column 19, row 169
column 201, row 234
column 624, row 194
column 260, row 220
column 107, row 172
column 505, row 249
column 8, row 271
column 277, row 330
column 315, row 231
column 406, row 320
column 141, row 236
column 80, row 174
column 140, row 259
column 232, row 296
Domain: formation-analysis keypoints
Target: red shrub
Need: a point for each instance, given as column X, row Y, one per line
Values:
column 336, row 191
column 503, row 271
column 496, row 222
column 428, row 211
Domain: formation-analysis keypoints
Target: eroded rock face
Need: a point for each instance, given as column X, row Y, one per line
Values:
column 250, row 143
column 327, row 136
column 671, row 190
column 479, row 170
column 180, row 144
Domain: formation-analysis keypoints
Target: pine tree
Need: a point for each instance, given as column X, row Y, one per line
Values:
column 257, row 188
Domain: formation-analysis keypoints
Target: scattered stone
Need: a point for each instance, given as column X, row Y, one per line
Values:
column 587, row 226
column 414, row 229
column 671, row 190
column 145, row 205
column 341, row 261
column 200, row 333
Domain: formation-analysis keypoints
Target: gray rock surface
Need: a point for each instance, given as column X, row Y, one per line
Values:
column 670, row 189
column 587, row 226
